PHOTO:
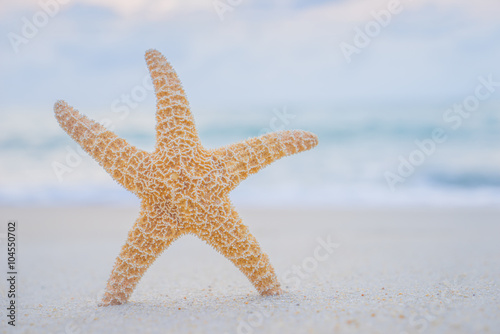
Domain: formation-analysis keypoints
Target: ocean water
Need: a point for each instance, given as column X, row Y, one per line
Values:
column 367, row 156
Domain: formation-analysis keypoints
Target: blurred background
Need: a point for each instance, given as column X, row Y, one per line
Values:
column 404, row 95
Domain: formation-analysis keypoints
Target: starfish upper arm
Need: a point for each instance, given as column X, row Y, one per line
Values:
column 120, row 159
column 173, row 115
column 249, row 156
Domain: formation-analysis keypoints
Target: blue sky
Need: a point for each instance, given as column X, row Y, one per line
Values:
column 261, row 52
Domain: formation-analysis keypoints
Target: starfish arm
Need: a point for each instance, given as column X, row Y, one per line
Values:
column 248, row 157
column 120, row 159
column 149, row 237
column 233, row 240
column 173, row 115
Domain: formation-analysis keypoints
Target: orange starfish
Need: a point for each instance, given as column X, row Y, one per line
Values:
column 183, row 187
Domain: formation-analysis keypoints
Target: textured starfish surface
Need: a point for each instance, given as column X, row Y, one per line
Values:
column 183, row 187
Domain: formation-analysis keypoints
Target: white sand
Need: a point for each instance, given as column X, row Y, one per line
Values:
column 407, row 271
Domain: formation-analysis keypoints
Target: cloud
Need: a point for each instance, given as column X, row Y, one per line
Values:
column 356, row 12
column 142, row 9
column 152, row 9
column 343, row 11
column 261, row 50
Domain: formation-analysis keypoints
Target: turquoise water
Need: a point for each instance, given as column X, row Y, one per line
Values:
column 356, row 163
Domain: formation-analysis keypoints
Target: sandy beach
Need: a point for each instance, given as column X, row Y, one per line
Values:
column 344, row 271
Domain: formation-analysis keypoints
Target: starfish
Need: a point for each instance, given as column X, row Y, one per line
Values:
column 183, row 187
